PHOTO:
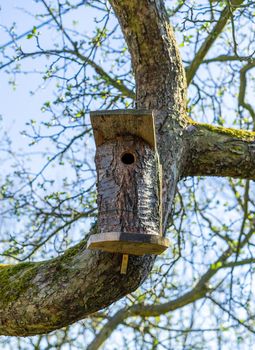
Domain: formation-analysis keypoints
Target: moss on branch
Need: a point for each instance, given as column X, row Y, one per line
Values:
column 244, row 135
column 219, row 151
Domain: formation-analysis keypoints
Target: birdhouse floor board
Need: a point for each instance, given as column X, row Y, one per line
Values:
column 128, row 243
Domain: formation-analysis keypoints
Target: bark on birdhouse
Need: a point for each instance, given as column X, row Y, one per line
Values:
column 128, row 184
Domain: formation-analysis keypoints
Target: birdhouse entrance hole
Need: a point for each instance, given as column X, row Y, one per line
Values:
column 128, row 158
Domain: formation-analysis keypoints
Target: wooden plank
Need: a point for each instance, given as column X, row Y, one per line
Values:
column 108, row 125
column 128, row 243
column 124, row 264
column 160, row 196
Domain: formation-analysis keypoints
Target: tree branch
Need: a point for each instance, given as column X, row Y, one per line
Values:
column 242, row 90
column 146, row 311
column 238, row 263
column 41, row 25
column 218, row 151
column 117, row 84
column 39, row 297
column 213, row 35
column 228, row 58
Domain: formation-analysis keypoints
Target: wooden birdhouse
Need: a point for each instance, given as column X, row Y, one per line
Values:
column 128, row 184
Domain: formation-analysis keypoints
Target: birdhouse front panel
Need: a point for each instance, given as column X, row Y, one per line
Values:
column 128, row 186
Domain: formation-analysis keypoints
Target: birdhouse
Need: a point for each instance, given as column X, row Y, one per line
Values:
column 128, row 184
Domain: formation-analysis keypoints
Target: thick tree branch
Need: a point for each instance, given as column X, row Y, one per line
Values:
column 208, row 42
column 218, row 151
column 40, row 297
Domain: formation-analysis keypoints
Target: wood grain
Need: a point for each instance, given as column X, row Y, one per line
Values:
column 107, row 125
column 129, row 243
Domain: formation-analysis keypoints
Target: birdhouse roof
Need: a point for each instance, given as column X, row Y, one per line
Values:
column 107, row 125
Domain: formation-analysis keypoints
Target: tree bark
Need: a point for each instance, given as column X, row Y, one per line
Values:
column 218, row 151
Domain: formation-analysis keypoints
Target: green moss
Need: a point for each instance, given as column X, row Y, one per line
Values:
column 235, row 133
column 14, row 279
column 69, row 253
column 11, row 270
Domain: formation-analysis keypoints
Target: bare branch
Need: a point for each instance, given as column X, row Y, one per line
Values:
column 207, row 44
column 229, row 58
column 199, row 291
column 242, row 90
column 116, row 83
